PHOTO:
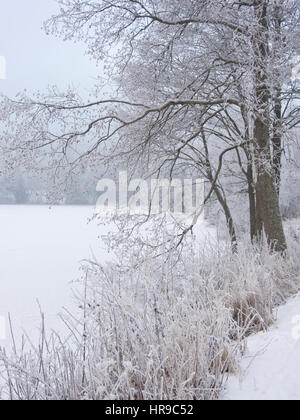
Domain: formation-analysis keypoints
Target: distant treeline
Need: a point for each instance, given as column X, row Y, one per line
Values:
column 24, row 190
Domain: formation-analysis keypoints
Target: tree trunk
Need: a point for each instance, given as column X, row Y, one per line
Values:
column 221, row 198
column 277, row 144
column 229, row 219
column 267, row 199
column 252, row 202
column 277, row 125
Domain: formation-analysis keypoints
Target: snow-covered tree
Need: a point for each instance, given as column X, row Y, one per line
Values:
column 199, row 87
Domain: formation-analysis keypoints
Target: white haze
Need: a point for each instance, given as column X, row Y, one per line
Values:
column 35, row 60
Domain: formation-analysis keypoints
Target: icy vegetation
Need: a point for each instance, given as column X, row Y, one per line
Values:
column 165, row 327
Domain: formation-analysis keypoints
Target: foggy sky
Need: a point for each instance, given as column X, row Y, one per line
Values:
column 33, row 59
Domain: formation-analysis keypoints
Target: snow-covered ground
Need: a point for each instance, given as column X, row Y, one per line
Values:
column 270, row 369
column 41, row 249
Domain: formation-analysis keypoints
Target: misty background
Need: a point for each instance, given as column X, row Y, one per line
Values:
column 35, row 61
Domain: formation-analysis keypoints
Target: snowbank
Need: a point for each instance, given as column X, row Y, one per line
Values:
column 270, row 369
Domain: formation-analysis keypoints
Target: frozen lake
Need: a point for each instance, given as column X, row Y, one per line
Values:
column 41, row 253
column 41, row 250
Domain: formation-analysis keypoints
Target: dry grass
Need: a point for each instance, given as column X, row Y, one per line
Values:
column 166, row 329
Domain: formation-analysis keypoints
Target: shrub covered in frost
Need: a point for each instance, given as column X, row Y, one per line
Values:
column 164, row 327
